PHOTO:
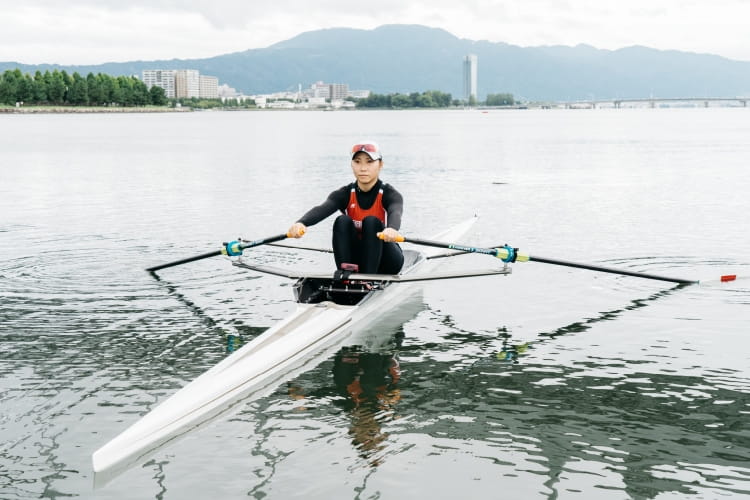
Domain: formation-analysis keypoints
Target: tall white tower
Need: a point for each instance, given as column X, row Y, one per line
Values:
column 470, row 77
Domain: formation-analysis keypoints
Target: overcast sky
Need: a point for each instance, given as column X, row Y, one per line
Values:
column 96, row 31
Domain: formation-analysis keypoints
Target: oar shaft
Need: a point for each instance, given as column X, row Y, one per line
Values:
column 264, row 241
column 185, row 261
column 502, row 253
column 452, row 246
column 239, row 247
column 610, row 270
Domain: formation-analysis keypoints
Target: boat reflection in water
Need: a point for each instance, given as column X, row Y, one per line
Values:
column 365, row 384
column 369, row 382
column 365, row 376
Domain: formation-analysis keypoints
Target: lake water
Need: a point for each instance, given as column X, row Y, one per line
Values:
column 552, row 382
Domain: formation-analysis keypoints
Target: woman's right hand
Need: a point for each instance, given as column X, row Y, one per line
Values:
column 297, row 230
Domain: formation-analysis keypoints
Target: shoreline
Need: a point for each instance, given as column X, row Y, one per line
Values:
column 90, row 109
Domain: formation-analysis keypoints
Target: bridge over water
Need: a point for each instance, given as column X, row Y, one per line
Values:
column 653, row 101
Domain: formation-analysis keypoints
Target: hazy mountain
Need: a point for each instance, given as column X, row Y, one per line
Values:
column 408, row 58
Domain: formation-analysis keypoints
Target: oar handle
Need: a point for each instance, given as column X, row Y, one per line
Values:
column 399, row 238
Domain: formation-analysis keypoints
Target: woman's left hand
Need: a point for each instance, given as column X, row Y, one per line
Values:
column 391, row 235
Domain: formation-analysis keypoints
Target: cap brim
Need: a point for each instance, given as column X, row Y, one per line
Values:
column 374, row 156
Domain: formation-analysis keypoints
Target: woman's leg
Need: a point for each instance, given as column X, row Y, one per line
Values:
column 370, row 253
column 377, row 256
column 344, row 241
column 372, row 246
column 392, row 259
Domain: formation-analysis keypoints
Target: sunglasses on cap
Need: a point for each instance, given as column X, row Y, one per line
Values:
column 369, row 148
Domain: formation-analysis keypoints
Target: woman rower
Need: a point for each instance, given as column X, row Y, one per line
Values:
column 368, row 206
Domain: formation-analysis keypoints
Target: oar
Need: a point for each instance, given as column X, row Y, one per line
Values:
column 232, row 248
column 509, row 254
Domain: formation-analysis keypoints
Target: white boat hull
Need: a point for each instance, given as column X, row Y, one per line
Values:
column 292, row 345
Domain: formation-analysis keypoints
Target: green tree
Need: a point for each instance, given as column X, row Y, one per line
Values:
column 424, row 101
column 8, row 87
column 110, row 89
column 56, row 87
column 126, row 91
column 401, row 101
column 442, row 98
column 500, row 100
column 141, row 97
column 428, row 99
column 25, row 91
column 434, row 99
column 78, row 92
column 67, row 81
column 95, row 90
column 375, row 101
column 40, row 88
column 158, row 96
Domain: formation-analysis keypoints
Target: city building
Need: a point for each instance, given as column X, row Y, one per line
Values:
column 186, row 83
column 316, row 101
column 318, row 95
column 208, row 87
column 470, row 77
column 327, row 90
column 318, row 89
column 182, row 83
column 163, row 78
column 338, row 91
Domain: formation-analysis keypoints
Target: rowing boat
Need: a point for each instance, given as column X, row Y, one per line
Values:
column 328, row 310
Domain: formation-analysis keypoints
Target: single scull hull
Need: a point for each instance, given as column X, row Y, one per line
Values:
column 294, row 344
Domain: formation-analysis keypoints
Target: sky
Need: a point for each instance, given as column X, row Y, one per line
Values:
column 83, row 32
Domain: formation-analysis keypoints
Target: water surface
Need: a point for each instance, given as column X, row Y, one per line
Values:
column 549, row 383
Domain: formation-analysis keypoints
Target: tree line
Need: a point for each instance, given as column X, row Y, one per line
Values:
column 428, row 99
column 61, row 88
column 500, row 100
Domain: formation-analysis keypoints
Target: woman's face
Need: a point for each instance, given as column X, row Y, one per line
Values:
column 366, row 170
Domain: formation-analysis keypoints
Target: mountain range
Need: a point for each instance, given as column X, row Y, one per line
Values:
column 414, row 58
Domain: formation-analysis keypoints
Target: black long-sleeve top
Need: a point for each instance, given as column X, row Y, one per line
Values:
column 393, row 203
